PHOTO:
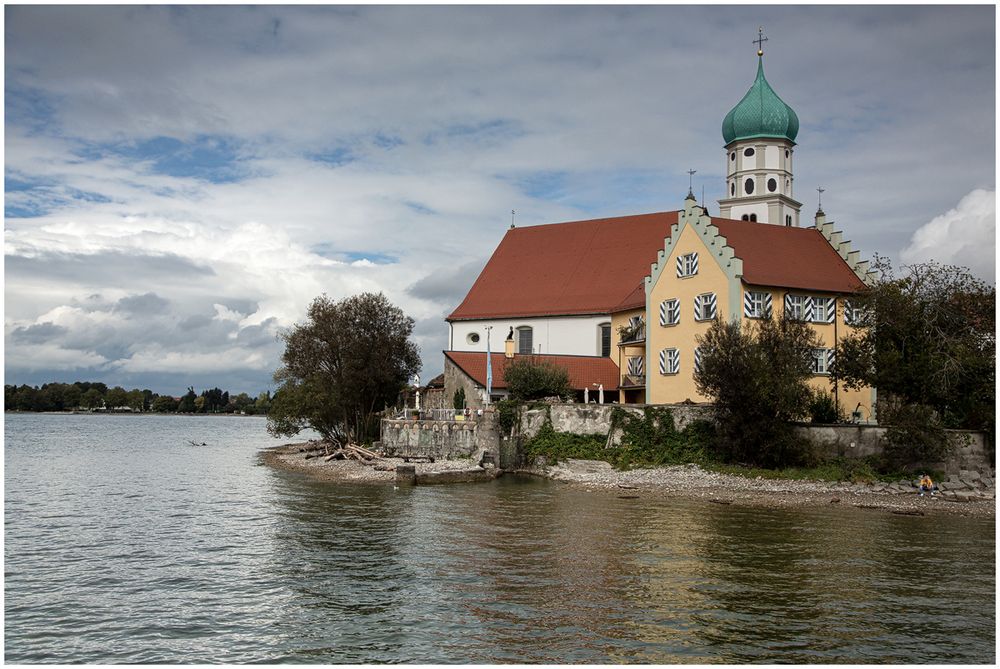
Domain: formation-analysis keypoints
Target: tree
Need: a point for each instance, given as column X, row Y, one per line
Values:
column 927, row 341
column 135, row 399
column 348, row 361
column 757, row 376
column 186, row 404
column 92, row 399
column 528, row 378
column 164, row 404
column 115, row 398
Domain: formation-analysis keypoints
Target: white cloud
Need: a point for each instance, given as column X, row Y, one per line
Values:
column 965, row 235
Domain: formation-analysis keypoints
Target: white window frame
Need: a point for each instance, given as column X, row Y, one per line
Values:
column 704, row 304
column 672, row 309
column 672, row 358
column 802, row 302
column 821, row 361
column 759, row 300
column 520, row 340
column 826, row 304
column 689, row 265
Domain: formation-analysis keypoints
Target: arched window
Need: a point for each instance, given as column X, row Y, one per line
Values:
column 524, row 340
column 604, row 339
column 753, row 218
column 744, row 218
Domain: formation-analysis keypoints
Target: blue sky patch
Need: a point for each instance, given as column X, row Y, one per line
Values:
column 210, row 158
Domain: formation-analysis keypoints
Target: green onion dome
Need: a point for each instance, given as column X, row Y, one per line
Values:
column 761, row 113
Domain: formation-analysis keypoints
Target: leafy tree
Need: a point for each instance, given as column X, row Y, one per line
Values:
column 927, row 338
column 241, row 402
column 348, row 361
column 262, row 404
column 134, row 399
column 757, row 376
column 529, row 378
column 164, row 404
column 200, row 403
column 186, row 405
column 92, row 399
column 72, row 396
column 115, row 398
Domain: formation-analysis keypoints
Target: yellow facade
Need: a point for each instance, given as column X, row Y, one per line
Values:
column 621, row 353
column 719, row 273
column 671, row 388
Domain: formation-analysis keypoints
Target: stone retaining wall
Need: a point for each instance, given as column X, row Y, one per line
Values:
column 440, row 439
column 596, row 418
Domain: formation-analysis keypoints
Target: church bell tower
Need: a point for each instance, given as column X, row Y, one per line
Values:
column 759, row 133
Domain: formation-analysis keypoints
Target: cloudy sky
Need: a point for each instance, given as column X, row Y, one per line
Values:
column 181, row 182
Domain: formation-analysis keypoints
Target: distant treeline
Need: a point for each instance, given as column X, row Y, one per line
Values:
column 87, row 396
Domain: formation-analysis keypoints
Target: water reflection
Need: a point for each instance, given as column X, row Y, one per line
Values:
column 121, row 553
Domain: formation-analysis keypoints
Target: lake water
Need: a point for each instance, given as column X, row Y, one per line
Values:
column 126, row 544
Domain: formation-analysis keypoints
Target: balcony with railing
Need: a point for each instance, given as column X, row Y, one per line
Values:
column 633, row 381
column 632, row 335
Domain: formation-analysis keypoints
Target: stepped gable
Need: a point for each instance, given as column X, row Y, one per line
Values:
column 575, row 268
column 583, row 370
column 787, row 257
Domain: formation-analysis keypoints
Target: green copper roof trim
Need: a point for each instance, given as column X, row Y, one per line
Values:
column 761, row 113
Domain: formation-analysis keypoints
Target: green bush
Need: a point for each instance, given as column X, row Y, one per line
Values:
column 915, row 438
column 531, row 379
column 646, row 441
column 823, row 409
column 458, row 401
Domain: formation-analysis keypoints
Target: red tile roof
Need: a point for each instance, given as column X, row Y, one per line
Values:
column 581, row 267
column 785, row 257
column 583, row 370
column 598, row 266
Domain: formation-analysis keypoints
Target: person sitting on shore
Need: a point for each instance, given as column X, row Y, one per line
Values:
column 927, row 485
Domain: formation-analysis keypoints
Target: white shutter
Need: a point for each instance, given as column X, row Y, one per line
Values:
column 809, row 309
column 694, row 263
column 748, row 304
column 697, row 359
column 767, row 305
column 697, row 307
column 831, row 355
column 788, row 305
column 663, row 361
column 711, row 304
column 663, row 313
column 848, row 312
column 831, row 309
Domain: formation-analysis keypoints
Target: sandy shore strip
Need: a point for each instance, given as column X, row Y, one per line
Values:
column 683, row 481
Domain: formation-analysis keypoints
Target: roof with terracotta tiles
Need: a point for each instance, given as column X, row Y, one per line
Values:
column 583, row 370
column 598, row 266
column 581, row 267
column 786, row 257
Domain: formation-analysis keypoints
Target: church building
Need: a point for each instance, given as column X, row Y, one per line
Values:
column 619, row 302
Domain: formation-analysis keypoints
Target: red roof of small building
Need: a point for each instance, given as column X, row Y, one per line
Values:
column 598, row 266
column 584, row 370
column 786, row 257
column 581, row 267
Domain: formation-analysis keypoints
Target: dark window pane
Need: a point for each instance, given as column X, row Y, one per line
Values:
column 748, row 186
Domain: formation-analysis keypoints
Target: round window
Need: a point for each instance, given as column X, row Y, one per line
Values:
column 732, row 156
column 748, row 186
column 473, row 338
column 772, row 185
column 732, row 189
column 747, row 152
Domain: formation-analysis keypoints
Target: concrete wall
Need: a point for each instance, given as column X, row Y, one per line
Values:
column 861, row 441
column 441, row 439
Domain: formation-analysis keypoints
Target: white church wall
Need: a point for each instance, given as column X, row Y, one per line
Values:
column 556, row 335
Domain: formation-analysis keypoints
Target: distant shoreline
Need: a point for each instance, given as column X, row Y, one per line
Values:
column 129, row 413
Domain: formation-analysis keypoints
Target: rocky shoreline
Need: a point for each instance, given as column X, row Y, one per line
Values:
column 967, row 495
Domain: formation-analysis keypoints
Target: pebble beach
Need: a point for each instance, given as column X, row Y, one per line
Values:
column 972, row 496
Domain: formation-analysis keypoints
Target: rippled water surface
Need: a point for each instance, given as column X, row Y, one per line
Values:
column 126, row 544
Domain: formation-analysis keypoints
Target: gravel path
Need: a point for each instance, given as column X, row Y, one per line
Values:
column 975, row 498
